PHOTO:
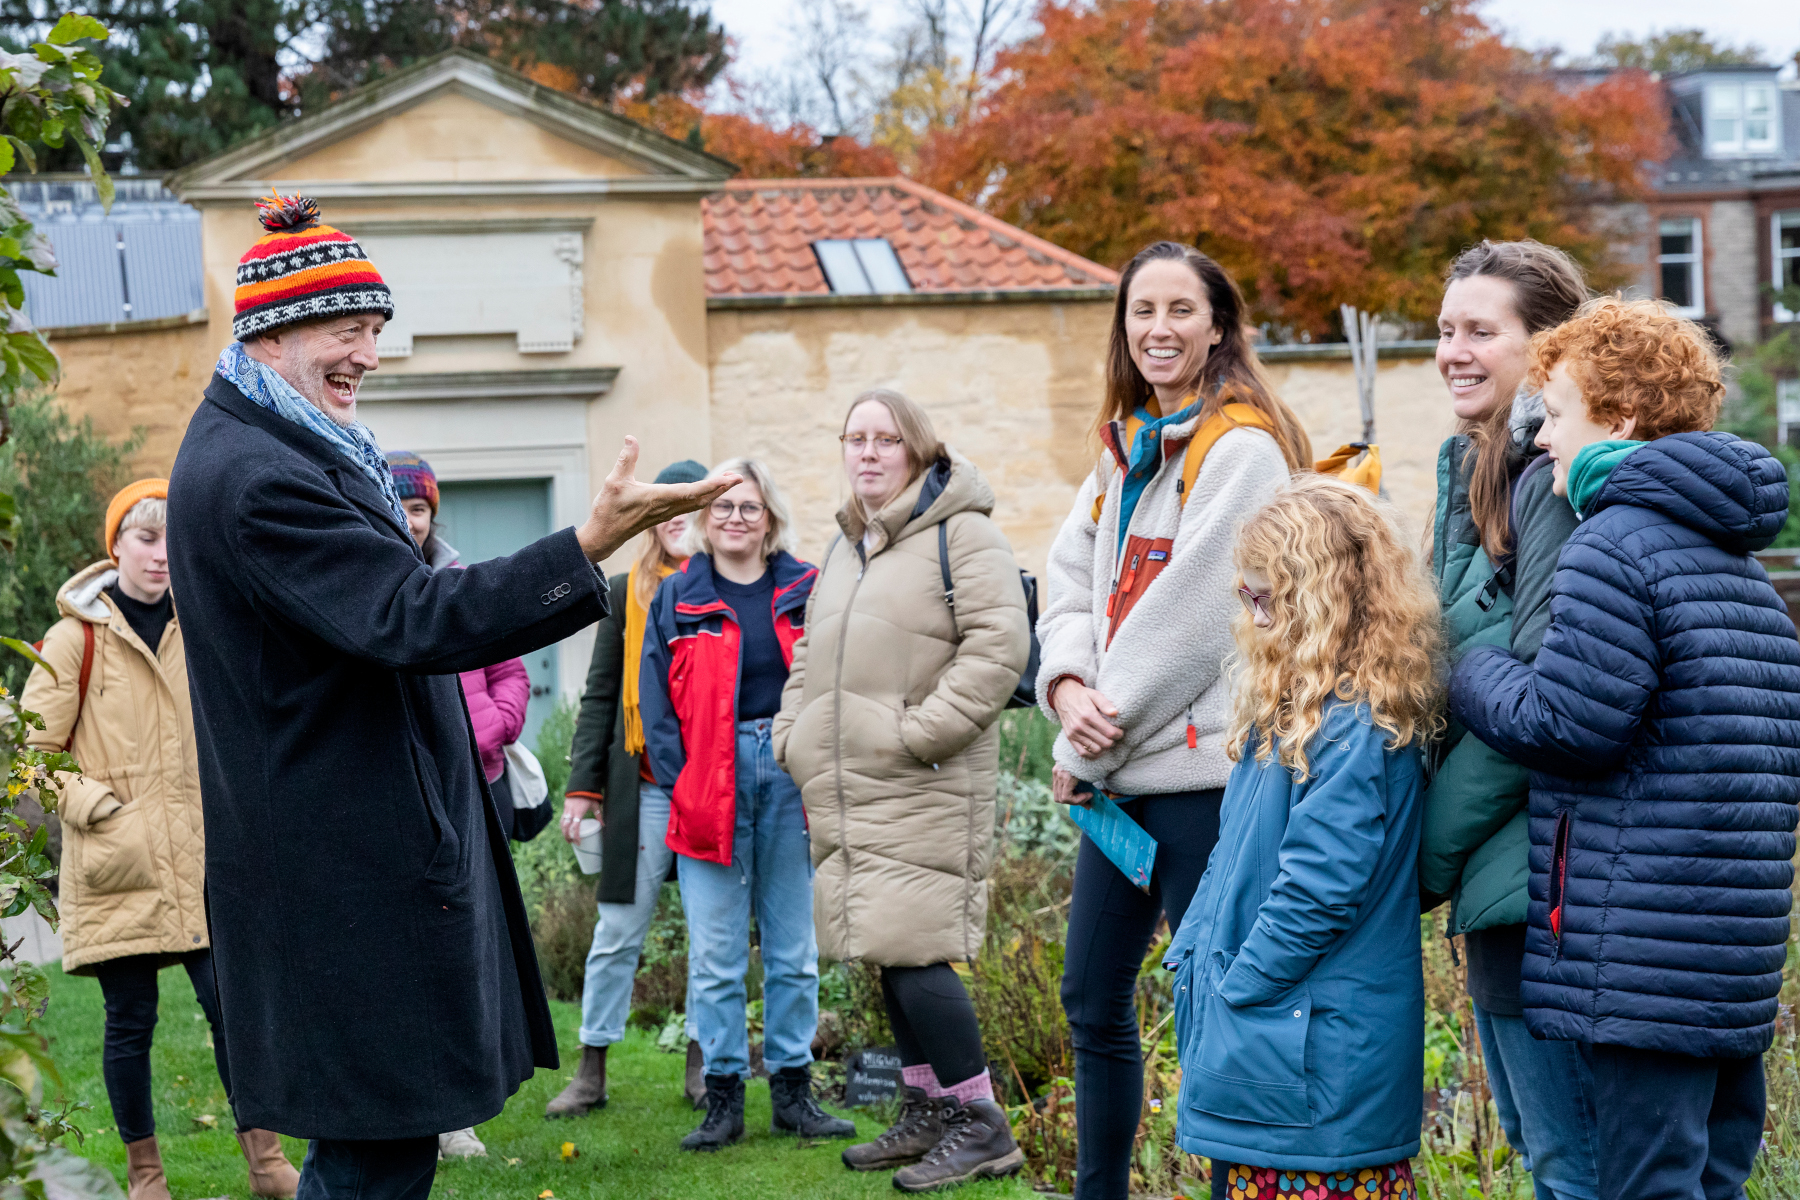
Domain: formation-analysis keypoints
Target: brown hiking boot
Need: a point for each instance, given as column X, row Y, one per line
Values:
column 272, row 1176
column 904, row 1142
column 587, row 1091
column 977, row 1144
column 694, row 1085
column 144, row 1178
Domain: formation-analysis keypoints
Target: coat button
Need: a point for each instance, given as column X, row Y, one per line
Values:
column 1296, row 1012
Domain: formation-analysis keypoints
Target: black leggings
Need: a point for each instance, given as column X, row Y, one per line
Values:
column 934, row 1021
column 1111, row 923
column 129, row 986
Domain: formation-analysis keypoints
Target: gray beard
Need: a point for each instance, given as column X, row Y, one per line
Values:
column 313, row 390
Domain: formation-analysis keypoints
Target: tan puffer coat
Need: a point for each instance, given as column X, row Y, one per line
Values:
column 887, row 722
column 134, row 845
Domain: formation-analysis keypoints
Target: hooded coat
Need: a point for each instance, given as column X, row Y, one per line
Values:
column 375, row 968
column 133, row 877
column 1661, row 724
column 1299, row 997
column 887, row 722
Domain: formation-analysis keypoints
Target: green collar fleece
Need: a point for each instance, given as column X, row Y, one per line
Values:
column 1592, row 467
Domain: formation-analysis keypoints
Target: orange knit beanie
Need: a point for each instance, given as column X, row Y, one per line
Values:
column 130, row 494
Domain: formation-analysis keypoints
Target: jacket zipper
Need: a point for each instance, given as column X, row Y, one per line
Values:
column 837, row 738
column 1559, row 879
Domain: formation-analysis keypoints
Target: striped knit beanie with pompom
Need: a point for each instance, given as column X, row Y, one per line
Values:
column 301, row 270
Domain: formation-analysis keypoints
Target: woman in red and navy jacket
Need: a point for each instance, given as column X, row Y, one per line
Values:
column 716, row 656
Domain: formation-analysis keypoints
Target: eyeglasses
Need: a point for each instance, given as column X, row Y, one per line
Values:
column 752, row 510
column 1256, row 602
column 885, row 443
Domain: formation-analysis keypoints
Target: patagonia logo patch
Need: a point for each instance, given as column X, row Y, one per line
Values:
column 1158, row 556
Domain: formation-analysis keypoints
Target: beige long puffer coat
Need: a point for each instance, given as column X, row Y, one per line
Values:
column 134, row 845
column 887, row 722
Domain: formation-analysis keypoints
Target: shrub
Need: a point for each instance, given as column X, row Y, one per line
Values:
column 1026, row 736
column 62, row 476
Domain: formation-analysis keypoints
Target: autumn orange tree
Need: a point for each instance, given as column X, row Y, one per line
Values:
column 1323, row 150
column 759, row 147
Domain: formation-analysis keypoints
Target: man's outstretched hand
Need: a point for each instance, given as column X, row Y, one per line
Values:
column 626, row 507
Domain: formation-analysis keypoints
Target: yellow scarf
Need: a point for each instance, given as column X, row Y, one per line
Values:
column 637, row 619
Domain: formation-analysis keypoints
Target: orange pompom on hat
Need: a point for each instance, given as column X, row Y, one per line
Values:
column 302, row 270
column 130, row 494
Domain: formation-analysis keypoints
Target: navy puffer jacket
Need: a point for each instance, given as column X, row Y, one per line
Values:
column 1661, row 722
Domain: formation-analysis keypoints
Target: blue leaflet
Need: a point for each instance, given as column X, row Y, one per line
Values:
column 1118, row 837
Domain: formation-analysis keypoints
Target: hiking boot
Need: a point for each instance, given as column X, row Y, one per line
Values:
column 795, row 1111
column 587, row 1091
column 977, row 1144
column 694, row 1085
column 460, row 1143
column 904, row 1142
column 144, row 1178
column 272, row 1176
column 724, row 1122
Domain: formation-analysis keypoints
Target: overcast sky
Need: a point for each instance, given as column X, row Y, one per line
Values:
column 1574, row 25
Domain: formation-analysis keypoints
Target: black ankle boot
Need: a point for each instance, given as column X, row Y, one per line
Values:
column 795, row 1110
column 724, row 1121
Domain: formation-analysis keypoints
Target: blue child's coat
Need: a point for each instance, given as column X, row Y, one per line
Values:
column 1299, row 995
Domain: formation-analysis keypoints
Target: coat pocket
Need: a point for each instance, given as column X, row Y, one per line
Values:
column 446, row 861
column 1559, row 878
column 1251, row 1064
column 115, row 853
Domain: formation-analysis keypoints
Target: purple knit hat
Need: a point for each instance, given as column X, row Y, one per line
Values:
column 413, row 478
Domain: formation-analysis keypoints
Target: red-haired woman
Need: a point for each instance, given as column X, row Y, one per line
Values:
column 1141, row 597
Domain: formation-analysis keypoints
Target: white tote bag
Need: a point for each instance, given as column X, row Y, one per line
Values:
column 525, row 775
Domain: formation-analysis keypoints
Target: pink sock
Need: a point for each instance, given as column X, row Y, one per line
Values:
column 975, row 1087
column 922, row 1077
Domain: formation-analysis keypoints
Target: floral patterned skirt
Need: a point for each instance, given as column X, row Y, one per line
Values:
column 1392, row 1182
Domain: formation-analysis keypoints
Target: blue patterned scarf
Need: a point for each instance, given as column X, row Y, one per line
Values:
column 266, row 388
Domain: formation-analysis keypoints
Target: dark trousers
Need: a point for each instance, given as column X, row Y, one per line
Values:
column 129, row 988
column 934, row 1021
column 1111, row 923
column 397, row 1169
column 1673, row 1127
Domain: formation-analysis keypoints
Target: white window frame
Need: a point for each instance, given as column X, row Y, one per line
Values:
column 1778, row 256
column 1696, row 258
column 1724, row 102
column 1787, row 408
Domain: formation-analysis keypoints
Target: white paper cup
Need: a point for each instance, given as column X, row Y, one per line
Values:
column 587, row 847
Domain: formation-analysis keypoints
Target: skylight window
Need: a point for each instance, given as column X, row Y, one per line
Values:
column 862, row 267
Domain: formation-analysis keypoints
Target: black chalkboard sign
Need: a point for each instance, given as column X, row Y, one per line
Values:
column 872, row 1076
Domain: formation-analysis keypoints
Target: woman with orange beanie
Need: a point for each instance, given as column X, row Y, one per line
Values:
column 134, row 846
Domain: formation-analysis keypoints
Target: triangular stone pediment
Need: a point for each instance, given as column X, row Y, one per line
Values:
column 456, row 119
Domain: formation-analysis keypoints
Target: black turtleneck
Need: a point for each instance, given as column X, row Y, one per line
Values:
column 146, row 620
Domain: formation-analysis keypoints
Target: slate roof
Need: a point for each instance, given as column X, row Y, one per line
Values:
column 759, row 235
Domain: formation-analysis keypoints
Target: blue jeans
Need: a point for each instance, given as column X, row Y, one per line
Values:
column 1545, row 1094
column 770, row 871
column 619, row 930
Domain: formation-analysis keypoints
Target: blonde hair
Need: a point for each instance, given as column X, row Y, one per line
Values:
column 651, row 558
column 780, row 535
column 918, row 438
column 1354, row 618
column 152, row 512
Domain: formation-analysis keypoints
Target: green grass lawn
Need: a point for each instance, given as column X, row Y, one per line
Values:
column 627, row 1149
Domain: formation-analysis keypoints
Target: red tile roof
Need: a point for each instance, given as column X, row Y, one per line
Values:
column 759, row 235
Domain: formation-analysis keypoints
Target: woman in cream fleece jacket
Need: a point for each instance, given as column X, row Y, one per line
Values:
column 1135, row 635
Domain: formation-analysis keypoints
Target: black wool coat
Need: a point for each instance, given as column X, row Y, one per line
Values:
column 375, row 968
column 600, row 768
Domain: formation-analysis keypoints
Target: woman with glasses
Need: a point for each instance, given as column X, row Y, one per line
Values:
column 891, row 737
column 717, row 648
column 1142, row 592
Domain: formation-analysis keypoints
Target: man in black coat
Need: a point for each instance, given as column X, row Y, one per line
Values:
column 375, row 968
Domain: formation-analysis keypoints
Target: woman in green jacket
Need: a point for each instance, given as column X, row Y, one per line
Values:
column 1497, row 533
column 608, row 782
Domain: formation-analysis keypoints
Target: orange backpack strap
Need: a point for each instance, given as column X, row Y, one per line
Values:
column 1228, row 418
column 87, row 669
